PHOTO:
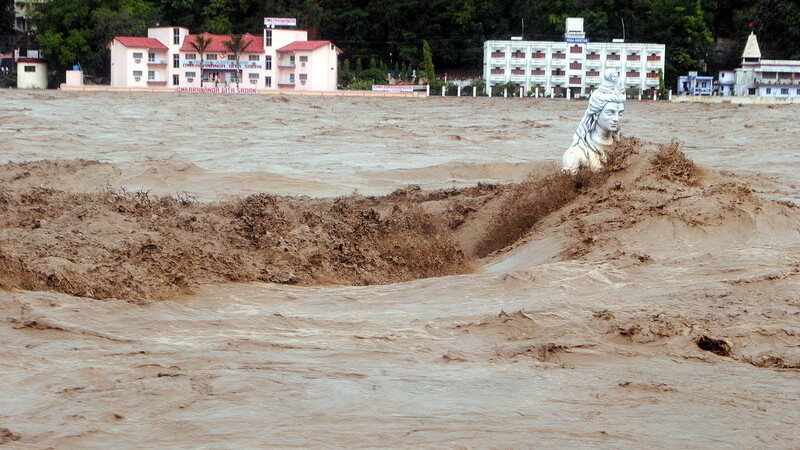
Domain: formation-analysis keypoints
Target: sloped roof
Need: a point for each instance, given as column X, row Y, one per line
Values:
column 304, row 46
column 218, row 43
column 751, row 49
column 141, row 42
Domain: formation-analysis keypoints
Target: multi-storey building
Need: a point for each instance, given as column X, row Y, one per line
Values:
column 694, row 84
column 766, row 77
column 277, row 59
column 575, row 64
column 22, row 14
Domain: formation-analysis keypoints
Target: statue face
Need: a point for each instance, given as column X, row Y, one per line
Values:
column 610, row 117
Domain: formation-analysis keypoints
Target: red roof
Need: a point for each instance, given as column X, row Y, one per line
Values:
column 141, row 42
column 217, row 43
column 303, row 46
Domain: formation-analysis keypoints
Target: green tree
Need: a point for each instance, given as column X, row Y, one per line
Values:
column 359, row 66
column 78, row 31
column 427, row 62
column 236, row 45
column 6, row 17
column 200, row 43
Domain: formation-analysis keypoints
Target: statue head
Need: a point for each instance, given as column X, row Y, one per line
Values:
column 604, row 111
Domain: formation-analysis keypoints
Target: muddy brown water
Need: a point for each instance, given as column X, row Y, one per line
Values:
column 539, row 347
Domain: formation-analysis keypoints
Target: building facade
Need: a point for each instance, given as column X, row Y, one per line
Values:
column 766, row 77
column 23, row 10
column 277, row 59
column 575, row 64
column 694, row 84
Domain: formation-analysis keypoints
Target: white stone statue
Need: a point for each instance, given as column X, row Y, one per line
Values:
column 599, row 128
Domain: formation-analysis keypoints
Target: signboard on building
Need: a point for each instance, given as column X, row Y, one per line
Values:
column 214, row 90
column 392, row 88
column 272, row 22
column 573, row 40
column 222, row 64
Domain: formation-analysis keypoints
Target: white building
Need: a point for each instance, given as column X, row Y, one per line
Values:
column 277, row 59
column 22, row 13
column 766, row 77
column 31, row 69
column 694, row 84
column 726, row 82
column 574, row 64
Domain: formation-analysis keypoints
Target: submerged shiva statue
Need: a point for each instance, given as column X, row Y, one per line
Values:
column 599, row 128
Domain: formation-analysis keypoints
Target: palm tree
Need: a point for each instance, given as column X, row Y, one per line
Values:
column 200, row 44
column 236, row 45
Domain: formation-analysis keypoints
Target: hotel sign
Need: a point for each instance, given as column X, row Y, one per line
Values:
column 392, row 88
column 573, row 40
column 221, row 64
column 210, row 90
column 272, row 22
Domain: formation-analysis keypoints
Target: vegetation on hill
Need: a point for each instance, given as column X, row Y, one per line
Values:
column 77, row 31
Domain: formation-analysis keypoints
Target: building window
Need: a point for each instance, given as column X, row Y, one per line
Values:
column 557, row 72
column 151, row 57
column 191, row 74
column 255, row 58
column 497, row 71
column 253, row 76
column 784, row 91
column 191, row 56
column 592, row 73
column 30, row 68
column 654, row 57
column 303, row 77
column 537, row 72
column 137, row 55
column 634, row 57
column 291, row 60
column 151, row 75
column 576, row 49
column 211, row 56
column 538, row 55
column 575, row 66
column 267, row 38
column 498, row 54
column 632, row 74
column 593, row 55
column 518, row 54
column 769, row 91
column 268, row 62
column 231, row 57
column 559, row 55
column 751, row 91
column 176, row 61
column 304, row 59
column 137, row 73
column 176, row 80
column 291, row 78
column 268, row 81
column 798, row 92
column 613, row 57
column 176, row 36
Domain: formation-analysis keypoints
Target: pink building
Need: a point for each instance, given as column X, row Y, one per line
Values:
column 277, row 59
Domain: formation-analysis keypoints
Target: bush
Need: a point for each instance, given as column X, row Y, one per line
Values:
column 480, row 84
column 632, row 92
column 361, row 85
column 374, row 76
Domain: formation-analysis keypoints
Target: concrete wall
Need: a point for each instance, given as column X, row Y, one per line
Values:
column 32, row 75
